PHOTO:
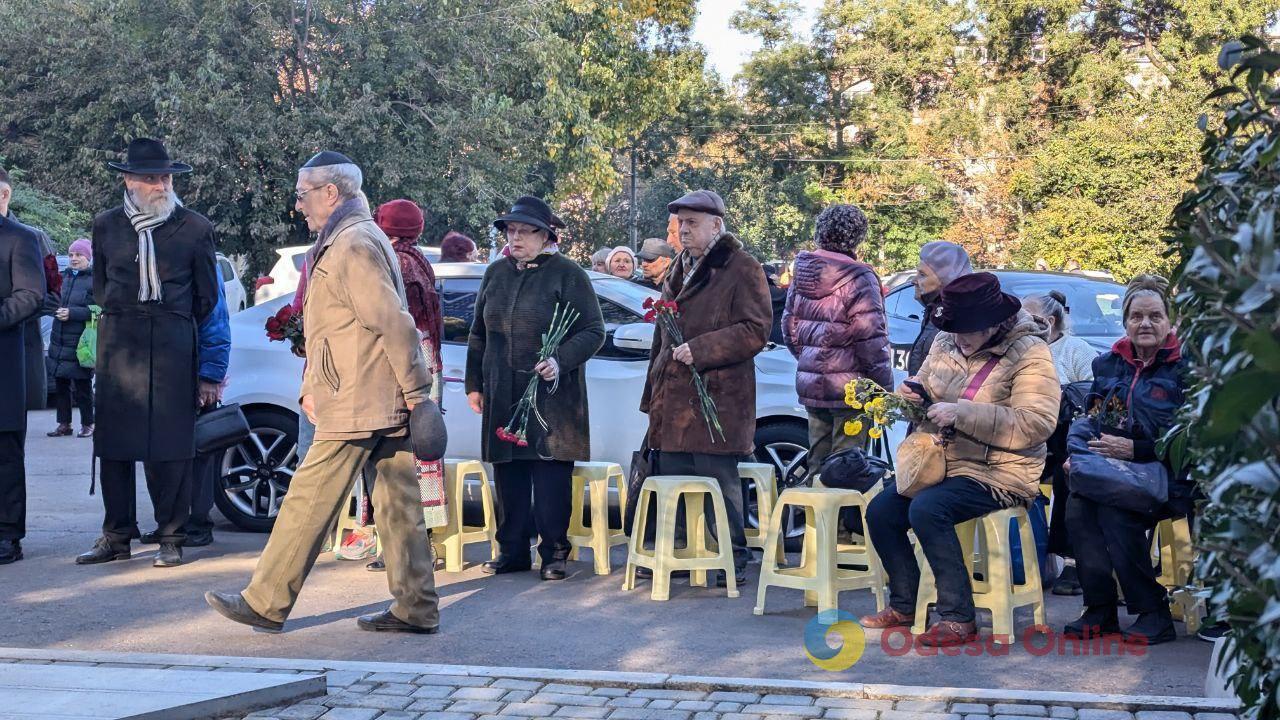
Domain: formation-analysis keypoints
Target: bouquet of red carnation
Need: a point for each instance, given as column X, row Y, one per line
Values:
column 664, row 313
column 287, row 325
column 517, row 430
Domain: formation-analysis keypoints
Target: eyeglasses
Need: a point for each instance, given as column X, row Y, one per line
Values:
column 303, row 193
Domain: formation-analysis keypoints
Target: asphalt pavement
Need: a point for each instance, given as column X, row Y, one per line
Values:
column 586, row 622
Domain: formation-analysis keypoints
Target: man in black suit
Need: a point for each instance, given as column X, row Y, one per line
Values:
column 155, row 277
column 22, row 289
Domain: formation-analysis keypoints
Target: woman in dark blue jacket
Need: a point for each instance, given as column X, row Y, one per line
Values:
column 1145, row 370
column 69, row 318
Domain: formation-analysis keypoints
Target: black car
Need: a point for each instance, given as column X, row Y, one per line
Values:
column 1095, row 307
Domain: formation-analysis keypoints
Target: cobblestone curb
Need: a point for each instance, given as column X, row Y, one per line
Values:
column 408, row 691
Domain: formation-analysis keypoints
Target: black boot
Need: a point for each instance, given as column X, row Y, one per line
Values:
column 233, row 607
column 1068, row 583
column 10, row 551
column 1097, row 621
column 505, row 563
column 102, row 551
column 169, row 555
column 1153, row 627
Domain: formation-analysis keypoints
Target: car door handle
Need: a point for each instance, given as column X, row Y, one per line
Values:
column 451, row 379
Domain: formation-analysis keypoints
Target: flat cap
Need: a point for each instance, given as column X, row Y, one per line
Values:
column 328, row 157
column 654, row 248
column 700, row 201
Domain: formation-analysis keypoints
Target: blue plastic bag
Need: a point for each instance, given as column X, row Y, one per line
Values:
column 1040, row 531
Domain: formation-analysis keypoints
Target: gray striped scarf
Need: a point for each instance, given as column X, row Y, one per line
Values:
column 149, row 288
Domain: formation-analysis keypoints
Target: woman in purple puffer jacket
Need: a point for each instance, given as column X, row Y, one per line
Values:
column 835, row 326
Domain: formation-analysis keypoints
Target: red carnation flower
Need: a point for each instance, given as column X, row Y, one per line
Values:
column 651, row 316
column 648, row 303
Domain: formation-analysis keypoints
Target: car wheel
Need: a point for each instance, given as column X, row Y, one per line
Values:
column 254, row 475
column 785, row 445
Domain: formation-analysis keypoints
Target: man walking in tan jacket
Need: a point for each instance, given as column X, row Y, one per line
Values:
column 365, row 371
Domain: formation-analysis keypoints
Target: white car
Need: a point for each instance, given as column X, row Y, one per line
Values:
column 232, row 285
column 285, row 274
column 265, row 379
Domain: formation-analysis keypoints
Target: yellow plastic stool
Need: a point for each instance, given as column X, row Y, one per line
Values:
column 1171, row 547
column 985, row 544
column 765, row 482
column 349, row 520
column 819, row 574
column 698, row 557
column 594, row 477
column 454, row 536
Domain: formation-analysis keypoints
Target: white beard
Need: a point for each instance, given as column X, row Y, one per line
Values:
column 162, row 208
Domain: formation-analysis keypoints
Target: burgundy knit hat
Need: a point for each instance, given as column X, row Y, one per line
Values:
column 455, row 247
column 975, row 302
column 400, row 219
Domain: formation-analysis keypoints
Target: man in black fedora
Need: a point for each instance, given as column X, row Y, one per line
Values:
column 156, row 280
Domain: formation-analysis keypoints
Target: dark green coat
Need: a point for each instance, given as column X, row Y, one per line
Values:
column 513, row 309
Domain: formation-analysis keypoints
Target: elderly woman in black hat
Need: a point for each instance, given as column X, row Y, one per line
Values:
column 517, row 299
column 991, row 394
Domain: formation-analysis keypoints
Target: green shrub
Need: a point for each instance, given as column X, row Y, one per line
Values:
column 63, row 221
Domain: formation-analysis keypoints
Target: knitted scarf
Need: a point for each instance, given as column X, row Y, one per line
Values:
column 420, row 290
column 149, row 287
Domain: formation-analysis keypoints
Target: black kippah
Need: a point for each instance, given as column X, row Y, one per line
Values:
column 328, row 157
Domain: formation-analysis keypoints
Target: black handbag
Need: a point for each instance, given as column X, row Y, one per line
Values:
column 853, row 469
column 641, row 467
column 220, row 428
column 1140, row 487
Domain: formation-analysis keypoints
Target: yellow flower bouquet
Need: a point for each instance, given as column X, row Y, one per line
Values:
column 880, row 408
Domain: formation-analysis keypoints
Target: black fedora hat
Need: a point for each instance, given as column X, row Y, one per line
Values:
column 974, row 302
column 533, row 211
column 148, row 157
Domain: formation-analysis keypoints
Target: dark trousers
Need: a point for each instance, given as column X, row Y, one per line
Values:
column 82, row 391
column 1059, row 532
column 933, row 514
column 13, row 485
column 204, row 481
column 168, row 483
column 724, row 469
column 547, row 484
column 1117, row 542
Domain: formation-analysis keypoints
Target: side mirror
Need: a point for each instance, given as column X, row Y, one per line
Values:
column 635, row 336
column 264, row 280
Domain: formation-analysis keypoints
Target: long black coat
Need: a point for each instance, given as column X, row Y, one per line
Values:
column 64, row 337
column 147, row 364
column 513, row 309
column 22, row 289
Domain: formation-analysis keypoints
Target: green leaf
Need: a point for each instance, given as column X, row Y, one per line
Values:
column 1264, row 348
column 1236, row 402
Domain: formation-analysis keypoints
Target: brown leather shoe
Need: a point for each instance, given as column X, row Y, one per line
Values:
column 946, row 633
column 85, row 431
column 886, row 618
column 60, row 431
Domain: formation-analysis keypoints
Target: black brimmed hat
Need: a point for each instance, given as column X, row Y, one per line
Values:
column 533, row 211
column 148, row 157
column 975, row 302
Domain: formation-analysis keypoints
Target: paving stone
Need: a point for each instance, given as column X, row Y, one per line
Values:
column 447, row 716
column 402, row 689
column 581, row 711
column 648, row 714
column 529, row 710
column 350, row 714
column 1027, row 710
column 435, row 692
column 664, row 694
column 1018, row 717
column 627, row 702
column 854, row 703
column 974, row 709
column 911, row 715
column 1092, row 714
column 343, row 678
column 773, row 699
column 1215, row 716
column 921, row 706
column 705, row 715
column 513, row 684
column 741, row 716
column 795, row 710
column 738, row 697
column 360, row 688
column 255, row 715
column 475, row 707
column 429, row 705
column 1162, row 715
column 1069, row 713
column 553, row 698
column 514, row 696
column 478, row 693
column 399, row 715
column 851, row 714
column 302, row 712
column 458, row 680
column 663, row 704
column 391, row 677
column 725, row 707
column 695, row 705
column 379, row 702
column 611, row 691
column 568, row 689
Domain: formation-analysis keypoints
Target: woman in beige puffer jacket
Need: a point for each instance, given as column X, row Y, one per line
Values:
column 996, row 427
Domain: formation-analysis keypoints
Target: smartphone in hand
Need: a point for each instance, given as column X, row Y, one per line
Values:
column 918, row 389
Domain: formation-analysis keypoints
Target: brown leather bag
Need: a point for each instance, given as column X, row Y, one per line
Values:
column 922, row 456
